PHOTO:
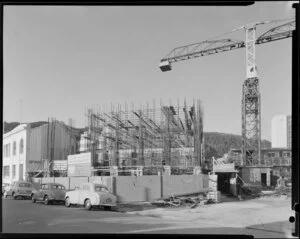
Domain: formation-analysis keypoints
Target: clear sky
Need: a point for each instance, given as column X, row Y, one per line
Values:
column 57, row 60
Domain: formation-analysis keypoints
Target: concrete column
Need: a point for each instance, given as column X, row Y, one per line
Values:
column 213, row 182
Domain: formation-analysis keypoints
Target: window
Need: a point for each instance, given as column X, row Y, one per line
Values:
column 58, row 187
column 288, row 154
column 6, row 150
column 44, row 186
column 271, row 154
column 283, row 154
column 100, row 188
column 14, row 148
column 6, row 171
column 14, row 171
column 24, row 185
column 21, row 146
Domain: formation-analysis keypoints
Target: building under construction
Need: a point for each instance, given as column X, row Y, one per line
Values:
column 151, row 135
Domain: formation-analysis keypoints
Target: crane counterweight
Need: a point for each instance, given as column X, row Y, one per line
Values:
column 165, row 65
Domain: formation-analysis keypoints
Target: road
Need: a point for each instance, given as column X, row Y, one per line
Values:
column 23, row 216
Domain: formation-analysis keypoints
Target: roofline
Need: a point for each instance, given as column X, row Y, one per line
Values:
column 15, row 130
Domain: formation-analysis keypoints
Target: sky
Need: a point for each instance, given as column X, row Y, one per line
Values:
column 60, row 59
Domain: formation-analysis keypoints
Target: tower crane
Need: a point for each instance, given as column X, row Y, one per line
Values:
column 251, row 101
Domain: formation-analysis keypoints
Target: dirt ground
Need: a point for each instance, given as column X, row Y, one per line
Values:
column 267, row 213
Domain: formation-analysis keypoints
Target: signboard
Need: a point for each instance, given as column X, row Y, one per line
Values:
column 224, row 167
column 80, row 164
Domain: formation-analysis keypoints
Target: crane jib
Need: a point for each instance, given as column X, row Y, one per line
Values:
column 190, row 52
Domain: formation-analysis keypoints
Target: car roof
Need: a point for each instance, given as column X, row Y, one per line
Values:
column 55, row 184
column 95, row 183
column 22, row 182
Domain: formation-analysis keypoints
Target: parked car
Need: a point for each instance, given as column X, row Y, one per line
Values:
column 49, row 193
column 91, row 195
column 19, row 189
column 5, row 187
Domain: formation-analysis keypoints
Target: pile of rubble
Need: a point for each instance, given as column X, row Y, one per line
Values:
column 256, row 191
column 282, row 193
column 189, row 200
column 251, row 191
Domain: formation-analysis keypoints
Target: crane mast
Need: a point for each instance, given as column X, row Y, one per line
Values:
column 251, row 98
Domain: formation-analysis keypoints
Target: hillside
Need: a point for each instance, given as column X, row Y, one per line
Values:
column 9, row 126
column 216, row 144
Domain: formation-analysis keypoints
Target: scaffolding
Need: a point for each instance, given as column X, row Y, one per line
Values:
column 147, row 136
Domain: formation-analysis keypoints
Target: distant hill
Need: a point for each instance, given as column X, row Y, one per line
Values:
column 9, row 126
column 218, row 144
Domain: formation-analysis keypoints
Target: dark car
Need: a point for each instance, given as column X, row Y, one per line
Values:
column 49, row 192
column 19, row 189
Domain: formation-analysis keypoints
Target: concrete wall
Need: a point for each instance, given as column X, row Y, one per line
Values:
column 106, row 180
column 180, row 184
column 63, row 180
column 143, row 188
column 72, row 182
column 76, row 181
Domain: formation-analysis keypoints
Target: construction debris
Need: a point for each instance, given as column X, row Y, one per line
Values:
column 189, row 201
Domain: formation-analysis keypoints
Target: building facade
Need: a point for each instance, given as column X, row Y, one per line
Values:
column 15, row 149
column 27, row 149
column 281, row 131
column 275, row 162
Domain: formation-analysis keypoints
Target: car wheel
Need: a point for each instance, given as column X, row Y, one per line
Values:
column 67, row 202
column 14, row 196
column 107, row 207
column 33, row 199
column 87, row 204
column 46, row 200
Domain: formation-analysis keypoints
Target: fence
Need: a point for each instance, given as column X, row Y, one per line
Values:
column 142, row 188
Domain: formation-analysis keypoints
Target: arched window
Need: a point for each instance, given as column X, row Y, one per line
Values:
column 14, row 148
column 21, row 146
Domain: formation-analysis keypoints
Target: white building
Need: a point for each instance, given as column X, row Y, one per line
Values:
column 25, row 149
column 281, row 128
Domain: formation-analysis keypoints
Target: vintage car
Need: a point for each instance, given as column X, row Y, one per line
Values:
column 49, row 192
column 91, row 195
column 5, row 187
column 19, row 189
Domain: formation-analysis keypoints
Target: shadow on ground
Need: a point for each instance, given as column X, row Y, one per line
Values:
column 282, row 229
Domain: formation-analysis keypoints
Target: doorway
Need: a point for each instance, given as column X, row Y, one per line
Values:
column 264, row 179
column 224, row 182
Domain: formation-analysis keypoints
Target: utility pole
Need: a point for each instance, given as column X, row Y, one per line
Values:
column 20, row 111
